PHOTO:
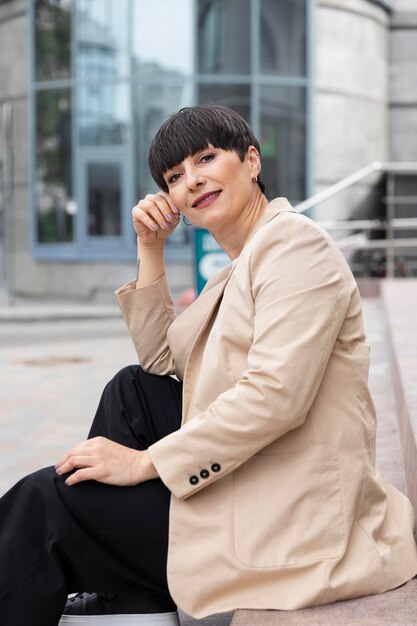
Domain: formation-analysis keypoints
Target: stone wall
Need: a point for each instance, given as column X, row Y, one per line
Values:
column 351, row 101
column 403, row 82
column 13, row 89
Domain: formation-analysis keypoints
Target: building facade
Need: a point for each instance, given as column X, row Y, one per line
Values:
column 328, row 86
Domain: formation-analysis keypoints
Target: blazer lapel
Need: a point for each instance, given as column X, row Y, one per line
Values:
column 212, row 294
column 210, row 299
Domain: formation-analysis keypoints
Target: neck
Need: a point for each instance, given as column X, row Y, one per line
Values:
column 232, row 236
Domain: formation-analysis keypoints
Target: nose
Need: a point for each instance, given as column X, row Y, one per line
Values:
column 194, row 178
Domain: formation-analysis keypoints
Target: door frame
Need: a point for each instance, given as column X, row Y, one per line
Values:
column 97, row 155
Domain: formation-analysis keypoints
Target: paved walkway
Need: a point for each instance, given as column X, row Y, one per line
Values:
column 50, row 386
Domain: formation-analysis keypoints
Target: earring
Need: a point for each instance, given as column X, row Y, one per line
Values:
column 186, row 222
column 255, row 178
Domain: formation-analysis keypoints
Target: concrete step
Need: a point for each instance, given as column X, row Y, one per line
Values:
column 221, row 619
column 400, row 303
column 397, row 607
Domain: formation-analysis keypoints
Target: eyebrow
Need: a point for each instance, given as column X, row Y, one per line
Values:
column 209, row 146
column 170, row 169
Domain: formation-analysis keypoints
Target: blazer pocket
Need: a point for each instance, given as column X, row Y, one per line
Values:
column 288, row 508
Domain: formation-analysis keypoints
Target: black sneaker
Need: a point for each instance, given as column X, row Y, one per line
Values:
column 94, row 609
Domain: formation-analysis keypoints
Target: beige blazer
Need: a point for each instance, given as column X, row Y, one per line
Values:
column 277, row 502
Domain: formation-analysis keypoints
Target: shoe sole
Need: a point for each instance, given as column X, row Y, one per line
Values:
column 148, row 619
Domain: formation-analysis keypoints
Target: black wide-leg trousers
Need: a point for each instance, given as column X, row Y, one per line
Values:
column 56, row 540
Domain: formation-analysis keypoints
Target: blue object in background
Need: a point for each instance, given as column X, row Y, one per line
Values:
column 209, row 257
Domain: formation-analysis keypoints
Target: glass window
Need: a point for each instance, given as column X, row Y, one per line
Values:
column 55, row 204
column 282, row 138
column 224, row 37
column 102, row 39
column 53, row 39
column 236, row 97
column 104, row 199
column 283, row 37
column 162, row 38
column 135, row 63
column 103, row 113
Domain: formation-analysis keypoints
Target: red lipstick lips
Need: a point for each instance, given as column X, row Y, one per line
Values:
column 206, row 198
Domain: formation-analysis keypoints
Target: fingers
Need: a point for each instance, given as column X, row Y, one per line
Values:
column 82, row 454
column 106, row 461
column 74, row 461
column 88, row 473
column 155, row 211
column 87, row 457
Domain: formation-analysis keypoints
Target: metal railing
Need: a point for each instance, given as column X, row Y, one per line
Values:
column 390, row 224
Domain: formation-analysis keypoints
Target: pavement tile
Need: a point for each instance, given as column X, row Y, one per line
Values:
column 44, row 410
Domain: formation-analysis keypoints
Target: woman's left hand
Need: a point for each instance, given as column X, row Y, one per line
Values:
column 107, row 462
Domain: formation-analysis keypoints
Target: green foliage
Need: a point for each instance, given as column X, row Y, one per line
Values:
column 53, row 136
column 48, row 230
column 53, row 40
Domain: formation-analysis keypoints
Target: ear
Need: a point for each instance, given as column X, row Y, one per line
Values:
column 254, row 160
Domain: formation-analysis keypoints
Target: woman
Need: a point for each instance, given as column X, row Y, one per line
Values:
column 277, row 501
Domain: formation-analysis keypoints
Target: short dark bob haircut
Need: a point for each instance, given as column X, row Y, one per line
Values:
column 192, row 129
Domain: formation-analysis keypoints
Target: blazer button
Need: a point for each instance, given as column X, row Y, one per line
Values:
column 215, row 467
column 194, row 480
column 204, row 473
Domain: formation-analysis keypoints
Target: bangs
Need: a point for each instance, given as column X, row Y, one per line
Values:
column 174, row 144
column 192, row 129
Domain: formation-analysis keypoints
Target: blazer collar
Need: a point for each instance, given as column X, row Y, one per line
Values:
column 276, row 206
column 215, row 286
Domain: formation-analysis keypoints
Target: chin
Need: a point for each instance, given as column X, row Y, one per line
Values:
column 211, row 218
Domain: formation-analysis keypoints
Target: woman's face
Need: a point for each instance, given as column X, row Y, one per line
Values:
column 213, row 186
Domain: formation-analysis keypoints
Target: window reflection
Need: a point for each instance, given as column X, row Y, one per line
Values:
column 103, row 111
column 236, row 97
column 102, row 27
column 55, row 205
column 283, row 37
column 104, row 199
column 138, row 61
column 53, row 39
column 224, row 37
column 162, row 38
column 283, row 141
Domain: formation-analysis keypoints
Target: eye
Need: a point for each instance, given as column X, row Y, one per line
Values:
column 206, row 158
column 173, row 178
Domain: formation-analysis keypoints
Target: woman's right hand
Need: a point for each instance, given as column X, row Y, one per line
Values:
column 155, row 218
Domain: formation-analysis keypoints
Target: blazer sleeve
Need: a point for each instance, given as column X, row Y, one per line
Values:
column 300, row 297
column 148, row 313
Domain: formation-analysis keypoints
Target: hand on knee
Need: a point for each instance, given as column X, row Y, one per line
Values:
column 107, row 462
